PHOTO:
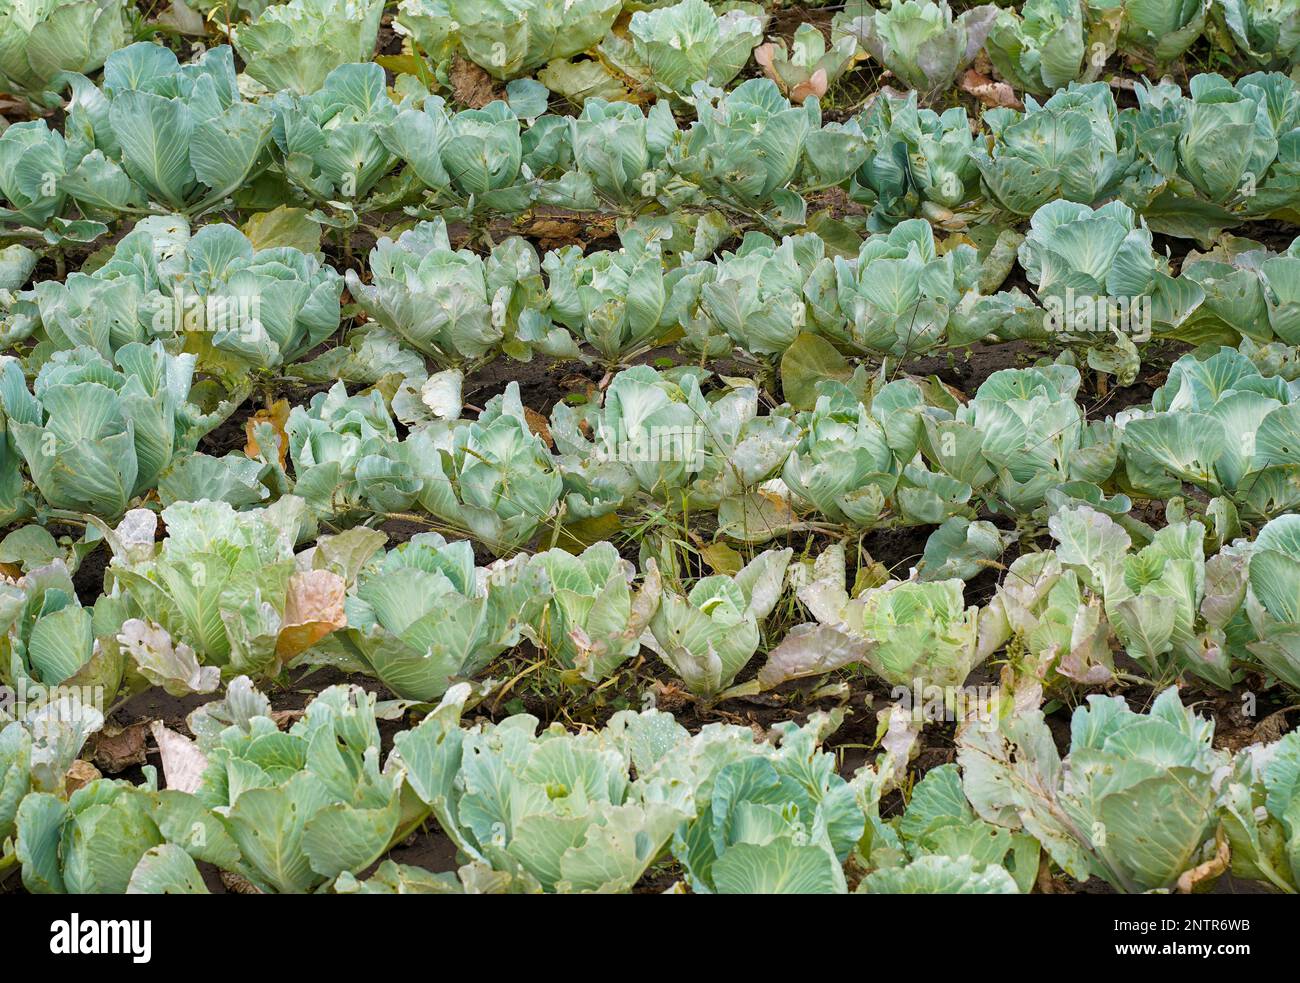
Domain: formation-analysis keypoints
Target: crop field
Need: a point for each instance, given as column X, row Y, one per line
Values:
column 649, row 446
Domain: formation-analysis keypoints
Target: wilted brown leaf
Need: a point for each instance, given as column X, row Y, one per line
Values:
column 284, row 719
column 118, row 748
column 80, row 774
column 1271, row 728
column 989, row 92
column 552, row 233
column 555, row 231
column 238, row 884
column 471, row 86
column 669, row 696
column 538, row 425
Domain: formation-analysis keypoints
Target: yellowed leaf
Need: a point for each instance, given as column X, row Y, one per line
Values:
column 277, row 414
column 574, row 537
column 721, row 558
column 313, row 608
column 1202, row 877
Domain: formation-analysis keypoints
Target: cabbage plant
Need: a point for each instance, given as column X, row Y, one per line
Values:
column 100, row 312
column 1220, row 425
column 423, row 615
column 673, row 443
column 341, row 447
column 82, row 838
column 620, row 148
column 1156, row 597
column 921, row 41
column 551, row 811
column 53, row 644
column 856, row 461
column 911, row 630
column 33, row 162
column 107, row 836
column 272, row 305
column 211, row 293
column 453, row 305
column 939, row 846
column 1133, row 801
column 476, row 157
column 1246, row 289
column 180, row 136
column 1066, row 148
column 762, row 296
column 36, row 752
column 746, row 147
column 294, row 46
column 1160, row 30
column 1274, row 562
column 670, row 50
column 843, row 465
column 428, row 23
column 1263, row 32
column 1097, row 253
column 919, row 162
column 510, row 38
column 772, row 817
column 622, row 302
column 1102, row 286
column 41, row 38
column 708, row 635
column 1042, row 47
column 596, row 616
column 17, row 263
column 1193, row 187
column 900, row 297
column 1059, row 626
column 225, row 583
column 303, row 806
column 51, row 640
column 330, row 142
column 94, row 433
column 1260, row 815
column 1032, row 435
column 493, row 478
